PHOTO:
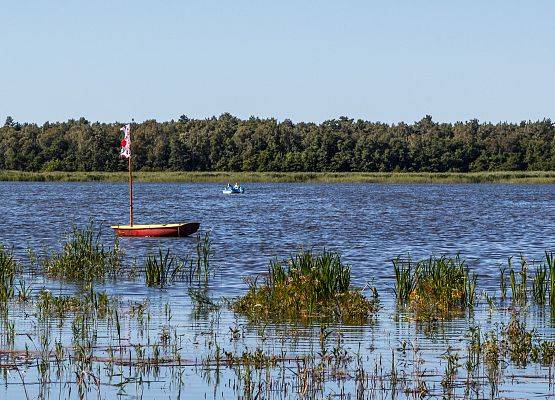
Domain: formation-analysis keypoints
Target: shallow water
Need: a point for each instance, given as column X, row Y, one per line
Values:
column 368, row 223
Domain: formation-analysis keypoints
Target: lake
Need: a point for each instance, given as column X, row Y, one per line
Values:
column 369, row 224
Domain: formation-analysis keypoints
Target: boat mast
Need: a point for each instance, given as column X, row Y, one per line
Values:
column 130, row 183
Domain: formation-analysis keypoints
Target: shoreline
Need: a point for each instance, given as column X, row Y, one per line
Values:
column 515, row 177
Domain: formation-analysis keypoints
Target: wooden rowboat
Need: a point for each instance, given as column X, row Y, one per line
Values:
column 164, row 230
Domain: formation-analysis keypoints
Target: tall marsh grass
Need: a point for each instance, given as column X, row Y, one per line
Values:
column 8, row 269
column 307, row 286
column 162, row 269
column 436, row 288
column 165, row 268
column 314, row 177
column 541, row 290
column 84, row 258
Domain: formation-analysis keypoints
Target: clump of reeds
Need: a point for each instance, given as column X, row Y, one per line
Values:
column 162, row 269
column 165, row 268
column 518, row 281
column 8, row 269
column 307, row 286
column 49, row 305
column 436, row 288
column 84, row 258
column 542, row 289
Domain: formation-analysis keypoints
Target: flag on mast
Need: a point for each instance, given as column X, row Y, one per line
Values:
column 125, row 150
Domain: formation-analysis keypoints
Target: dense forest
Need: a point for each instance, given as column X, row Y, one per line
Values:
column 228, row 143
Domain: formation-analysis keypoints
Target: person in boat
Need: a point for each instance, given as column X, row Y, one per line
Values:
column 236, row 186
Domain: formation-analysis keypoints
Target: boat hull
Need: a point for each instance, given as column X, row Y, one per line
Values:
column 165, row 230
column 233, row 191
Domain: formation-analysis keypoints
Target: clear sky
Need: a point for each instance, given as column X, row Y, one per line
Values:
column 385, row 61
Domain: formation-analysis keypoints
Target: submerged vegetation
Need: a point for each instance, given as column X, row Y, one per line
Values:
column 436, row 288
column 307, row 286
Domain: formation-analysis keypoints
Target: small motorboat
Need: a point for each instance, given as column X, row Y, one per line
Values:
column 235, row 189
column 163, row 230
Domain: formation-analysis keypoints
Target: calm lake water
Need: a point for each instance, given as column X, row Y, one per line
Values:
column 368, row 223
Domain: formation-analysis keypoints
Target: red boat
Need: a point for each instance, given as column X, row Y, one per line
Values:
column 164, row 230
column 161, row 230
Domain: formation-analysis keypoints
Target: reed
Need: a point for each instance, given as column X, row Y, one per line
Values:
column 8, row 269
column 84, row 258
column 161, row 270
column 503, row 282
column 518, row 281
column 405, row 282
column 89, row 303
column 307, row 286
column 550, row 261
column 540, row 286
column 201, row 269
column 436, row 288
column 538, row 177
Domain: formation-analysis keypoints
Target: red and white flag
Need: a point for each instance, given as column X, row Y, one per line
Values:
column 125, row 151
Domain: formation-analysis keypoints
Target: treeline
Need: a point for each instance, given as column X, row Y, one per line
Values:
column 228, row 143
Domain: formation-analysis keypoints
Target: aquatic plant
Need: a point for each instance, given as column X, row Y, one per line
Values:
column 517, row 345
column 202, row 270
column 519, row 341
column 550, row 261
column 544, row 353
column 8, row 269
column 542, row 289
column 309, row 285
column 452, row 359
column 540, row 286
column 165, row 268
column 61, row 306
column 436, row 288
column 84, row 258
column 503, row 282
column 518, row 285
column 161, row 270
column 405, row 281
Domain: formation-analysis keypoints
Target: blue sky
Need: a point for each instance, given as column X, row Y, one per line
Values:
column 385, row 61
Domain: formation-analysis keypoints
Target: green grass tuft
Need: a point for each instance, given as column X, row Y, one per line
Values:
column 307, row 286
column 84, row 258
column 436, row 288
column 8, row 269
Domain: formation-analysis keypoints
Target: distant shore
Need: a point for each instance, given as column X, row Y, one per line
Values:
column 538, row 177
